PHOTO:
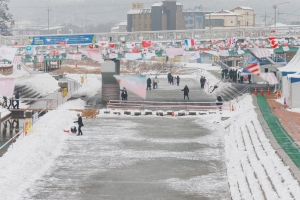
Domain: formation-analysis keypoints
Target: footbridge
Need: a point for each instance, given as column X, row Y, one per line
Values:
column 177, row 35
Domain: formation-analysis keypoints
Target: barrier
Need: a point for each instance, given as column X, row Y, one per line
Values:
column 154, row 105
column 261, row 91
column 269, row 92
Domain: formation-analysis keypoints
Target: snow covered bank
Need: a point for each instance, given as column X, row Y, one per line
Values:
column 92, row 84
column 254, row 169
column 4, row 112
column 32, row 155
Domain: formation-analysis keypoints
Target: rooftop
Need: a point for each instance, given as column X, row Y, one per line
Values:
column 224, row 12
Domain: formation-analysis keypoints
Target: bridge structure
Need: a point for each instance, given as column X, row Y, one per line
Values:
column 201, row 35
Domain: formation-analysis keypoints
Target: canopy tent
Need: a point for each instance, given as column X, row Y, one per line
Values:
column 291, row 68
column 293, row 99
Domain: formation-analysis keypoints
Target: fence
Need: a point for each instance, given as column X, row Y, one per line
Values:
column 188, row 106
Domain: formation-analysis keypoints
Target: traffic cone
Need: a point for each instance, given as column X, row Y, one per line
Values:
column 278, row 94
column 255, row 91
column 269, row 92
column 173, row 114
column 261, row 91
column 232, row 108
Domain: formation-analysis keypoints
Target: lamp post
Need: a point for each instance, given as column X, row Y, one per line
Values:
column 275, row 7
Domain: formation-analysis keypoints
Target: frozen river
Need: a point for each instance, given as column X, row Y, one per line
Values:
column 139, row 158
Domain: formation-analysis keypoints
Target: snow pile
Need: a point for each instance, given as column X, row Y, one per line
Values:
column 73, row 104
column 92, row 84
column 4, row 112
column 32, row 155
column 42, row 83
column 254, row 169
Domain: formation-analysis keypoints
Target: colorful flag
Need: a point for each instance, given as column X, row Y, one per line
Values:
column 273, row 42
column 189, row 42
column 93, row 54
column 146, row 43
column 269, row 77
column 130, row 45
column 73, row 56
column 254, row 69
column 103, row 43
column 113, row 56
column 7, row 86
column 261, row 52
column 40, row 58
column 17, row 60
column 134, row 83
column 174, row 51
column 223, row 53
column 172, row 43
column 111, row 45
column 135, row 50
column 133, row 56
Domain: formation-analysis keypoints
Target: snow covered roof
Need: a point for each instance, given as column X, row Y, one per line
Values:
column 123, row 23
column 141, row 11
column 178, row 4
column 157, row 4
column 114, row 28
column 244, row 8
column 293, row 65
column 52, row 28
column 224, row 12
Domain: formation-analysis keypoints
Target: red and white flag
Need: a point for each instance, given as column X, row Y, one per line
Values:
column 103, row 43
column 130, row 45
column 146, row 43
column 261, row 52
column 254, row 69
column 135, row 50
column 273, row 42
column 73, row 56
column 17, row 60
column 40, row 58
column 269, row 77
column 7, row 86
column 112, row 45
column 93, row 54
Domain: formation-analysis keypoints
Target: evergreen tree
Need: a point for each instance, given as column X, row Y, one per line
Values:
column 6, row 20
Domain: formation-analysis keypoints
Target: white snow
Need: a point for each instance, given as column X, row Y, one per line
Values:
column 91, row 85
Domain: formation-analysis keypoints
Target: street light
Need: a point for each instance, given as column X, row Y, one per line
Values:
column 274, row 7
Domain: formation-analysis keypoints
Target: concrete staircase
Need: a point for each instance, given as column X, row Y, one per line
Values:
column 26, row 92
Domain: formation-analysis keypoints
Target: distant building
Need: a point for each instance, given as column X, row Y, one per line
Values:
column 121, row 27
column 58, row 30
column 194, row 19
column 165, row 15
column 236, row 18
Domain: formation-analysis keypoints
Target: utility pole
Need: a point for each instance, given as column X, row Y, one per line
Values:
column 265, row 18
column 48, row 17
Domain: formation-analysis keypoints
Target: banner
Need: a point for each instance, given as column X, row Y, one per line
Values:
column 174, row 51
column 28, row 126
column 64, row 92
column 7, row 86
column 63, row 39
column 134, row 83
column 73, row 56
column 93, row 54
column 7, row 53
column 35, row 117
column 82, row 80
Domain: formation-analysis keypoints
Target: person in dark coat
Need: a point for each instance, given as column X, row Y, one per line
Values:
column 186, row 92
column 17, row 97
column 149, row 83
column 202, row 81
column 178, row 80
column 80, row 124
column 171, row 80
column 249, row 78
column 124, row 94
column 219, row 102
column 169, row 77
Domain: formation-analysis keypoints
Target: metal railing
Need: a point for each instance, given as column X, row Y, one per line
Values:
column 178, row 35
column 242, row 94
column 143, row 105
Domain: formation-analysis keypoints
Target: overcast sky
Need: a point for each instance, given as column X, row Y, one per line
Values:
column 82, row 12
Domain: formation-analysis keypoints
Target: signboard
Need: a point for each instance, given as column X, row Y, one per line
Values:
column 64, row 92
column 82, row 79
column 62, row 39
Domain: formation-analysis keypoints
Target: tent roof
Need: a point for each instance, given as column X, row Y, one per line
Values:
column 293, row 65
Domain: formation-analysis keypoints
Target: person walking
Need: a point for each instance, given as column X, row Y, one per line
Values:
column 186, row 92
column 249, row 78
column 219, row 102
column 178, row 80
column 149, row 83
column 17, row 97
column 80, row 124
column 155, row 82
column 124, row 94
column 171, row 80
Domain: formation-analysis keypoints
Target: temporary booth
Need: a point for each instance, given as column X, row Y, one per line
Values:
column 293, row 99
column 291, row 68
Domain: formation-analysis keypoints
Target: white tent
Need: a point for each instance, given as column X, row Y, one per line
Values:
column 291, row 68
column 293, row 99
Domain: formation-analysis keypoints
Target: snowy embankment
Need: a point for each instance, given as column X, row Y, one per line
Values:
column 91, row 86
column 254, row 169
column 32, row 155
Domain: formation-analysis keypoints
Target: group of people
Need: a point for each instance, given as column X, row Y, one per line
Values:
column 173, row 79
column 202, row 81
column 234, row 75
column 155, row 83
column 7, row 103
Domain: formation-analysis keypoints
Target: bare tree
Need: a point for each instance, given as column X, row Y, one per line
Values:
column 6, row 20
